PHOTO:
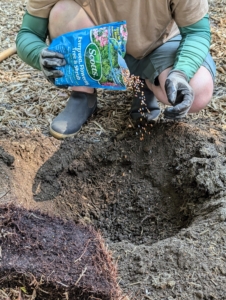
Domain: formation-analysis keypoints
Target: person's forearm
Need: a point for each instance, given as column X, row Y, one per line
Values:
column 193, row 48
column 31, row 39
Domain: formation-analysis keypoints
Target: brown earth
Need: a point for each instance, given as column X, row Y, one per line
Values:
column 160, row 203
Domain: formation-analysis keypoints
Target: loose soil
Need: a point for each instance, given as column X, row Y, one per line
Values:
column 159, row 204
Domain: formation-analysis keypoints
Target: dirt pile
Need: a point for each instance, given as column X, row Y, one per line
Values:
column 52, row 259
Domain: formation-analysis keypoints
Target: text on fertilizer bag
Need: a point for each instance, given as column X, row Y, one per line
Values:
column 78, row 62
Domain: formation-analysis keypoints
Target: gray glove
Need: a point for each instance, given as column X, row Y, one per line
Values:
column 179, row 94
column 49, row 60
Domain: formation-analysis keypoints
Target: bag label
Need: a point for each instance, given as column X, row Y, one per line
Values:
column 93, row 62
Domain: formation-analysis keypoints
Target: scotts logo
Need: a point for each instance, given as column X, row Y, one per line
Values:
column 93, row 62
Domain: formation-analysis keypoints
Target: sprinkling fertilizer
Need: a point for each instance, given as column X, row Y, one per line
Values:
column 137, row 84
column 95, row 58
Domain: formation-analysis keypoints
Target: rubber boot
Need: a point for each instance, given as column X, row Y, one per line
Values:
column 145, row 106
column 79, row 108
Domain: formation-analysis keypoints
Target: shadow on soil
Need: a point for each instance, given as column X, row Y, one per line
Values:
column 124, row 188
column 137, row 191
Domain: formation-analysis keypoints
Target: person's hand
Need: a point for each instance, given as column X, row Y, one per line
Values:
column 179, row 94
column 49, row 60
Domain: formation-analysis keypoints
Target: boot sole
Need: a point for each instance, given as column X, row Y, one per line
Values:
column 61, row 136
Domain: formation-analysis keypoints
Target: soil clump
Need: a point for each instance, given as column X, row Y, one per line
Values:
column 52, row 259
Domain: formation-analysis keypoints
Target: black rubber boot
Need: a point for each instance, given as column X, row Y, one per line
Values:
column 145, row 106
column 79, row 108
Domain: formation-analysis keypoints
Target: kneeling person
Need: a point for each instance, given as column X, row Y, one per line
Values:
column 168, row 48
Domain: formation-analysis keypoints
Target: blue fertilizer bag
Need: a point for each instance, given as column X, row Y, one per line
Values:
column 94, row 56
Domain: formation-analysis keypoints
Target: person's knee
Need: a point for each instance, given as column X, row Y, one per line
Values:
column 60, row 10
column 67, row 16
column 200, row 103
column 59, row 17
column 203, row 90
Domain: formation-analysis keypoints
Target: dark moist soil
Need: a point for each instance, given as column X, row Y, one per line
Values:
column 160, row 204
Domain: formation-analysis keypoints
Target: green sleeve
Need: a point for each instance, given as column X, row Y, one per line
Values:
column 31, row 39
column 194, row 47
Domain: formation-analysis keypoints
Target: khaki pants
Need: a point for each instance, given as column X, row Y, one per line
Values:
column 160, row 59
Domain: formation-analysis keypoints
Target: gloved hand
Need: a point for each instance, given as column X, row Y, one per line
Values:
column 49, row 60
column 180, row 95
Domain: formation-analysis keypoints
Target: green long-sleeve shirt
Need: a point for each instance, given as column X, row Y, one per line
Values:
column 31, row 39
column 191, row 53
column 194, row 47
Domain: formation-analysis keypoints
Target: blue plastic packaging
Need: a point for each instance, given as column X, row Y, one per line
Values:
column 94, row 56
